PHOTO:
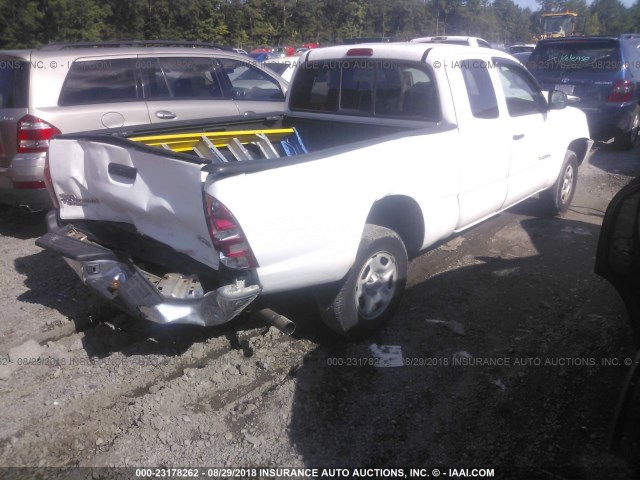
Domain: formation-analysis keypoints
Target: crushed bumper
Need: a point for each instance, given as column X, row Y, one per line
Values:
column 173, row 298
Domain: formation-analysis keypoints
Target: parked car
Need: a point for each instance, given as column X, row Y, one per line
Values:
column 602, row 73
column 618, row 261
column 75, row 87
column 284, row 51
column 522, row 57
column 455, row 40
column 618, row 253
column 283, row 66
column 260, row 56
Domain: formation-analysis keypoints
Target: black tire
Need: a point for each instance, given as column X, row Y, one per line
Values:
column 626, row 140
column 366, row 299
column 557, row 198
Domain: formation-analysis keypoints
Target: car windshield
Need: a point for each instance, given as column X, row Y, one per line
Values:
column 576, row 55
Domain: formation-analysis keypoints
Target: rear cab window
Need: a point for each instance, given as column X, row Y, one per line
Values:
column 372, row 88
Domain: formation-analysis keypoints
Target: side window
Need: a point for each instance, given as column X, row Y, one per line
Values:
column 153, row 78
column 520, row 90
column 482, row 97
column 100, row 81
column 418, row 94
column 14, row 84
column 250, row 82
column 185, row 78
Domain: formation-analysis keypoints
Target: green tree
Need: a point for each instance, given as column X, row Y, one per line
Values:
column 74, row 20
column 612, row 16
column 20, row 23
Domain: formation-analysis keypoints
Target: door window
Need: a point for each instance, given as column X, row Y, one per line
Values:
column 250, row 82
column 520, row 90
column 182, row 78
column 482, row 97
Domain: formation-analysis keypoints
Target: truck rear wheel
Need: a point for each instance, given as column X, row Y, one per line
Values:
column 557, row 198
column 366, row 299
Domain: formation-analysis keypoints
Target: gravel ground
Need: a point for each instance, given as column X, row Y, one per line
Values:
column 513, row 355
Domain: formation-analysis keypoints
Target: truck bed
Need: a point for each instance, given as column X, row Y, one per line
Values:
column 120, row 197
column 317, row 137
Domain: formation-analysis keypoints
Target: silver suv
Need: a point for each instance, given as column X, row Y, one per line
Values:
column 77, row 87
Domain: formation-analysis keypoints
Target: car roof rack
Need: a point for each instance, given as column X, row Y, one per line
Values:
column 134, row 43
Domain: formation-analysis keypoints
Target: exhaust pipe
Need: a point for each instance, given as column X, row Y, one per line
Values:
column 281, row 322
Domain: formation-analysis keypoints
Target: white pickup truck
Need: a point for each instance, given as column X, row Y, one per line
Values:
column 384, row 150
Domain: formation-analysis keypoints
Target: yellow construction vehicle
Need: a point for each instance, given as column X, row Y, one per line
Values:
column 556, row 25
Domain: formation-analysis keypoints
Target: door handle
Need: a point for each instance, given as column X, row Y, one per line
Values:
column 519, row 136
column 124, row 171
column 248, row 112
column 165, row 114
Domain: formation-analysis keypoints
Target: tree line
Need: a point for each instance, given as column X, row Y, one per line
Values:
column 250, row 23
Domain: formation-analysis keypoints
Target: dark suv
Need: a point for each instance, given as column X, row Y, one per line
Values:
column 601, row 74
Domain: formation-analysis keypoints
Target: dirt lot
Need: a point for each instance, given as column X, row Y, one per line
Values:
column 513, row 355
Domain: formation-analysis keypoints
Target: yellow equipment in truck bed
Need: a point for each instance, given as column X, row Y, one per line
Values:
column 208, row 144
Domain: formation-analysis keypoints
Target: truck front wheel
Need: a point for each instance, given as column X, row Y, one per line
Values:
column 557, row 198
column 366, row 299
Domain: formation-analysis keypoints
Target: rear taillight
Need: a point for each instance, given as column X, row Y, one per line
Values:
column 28, row 185
column 227, row 236
column 622, row 91
column 49, row 184
column 34, row 134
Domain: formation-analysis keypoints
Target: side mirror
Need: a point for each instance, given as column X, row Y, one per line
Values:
column 557, row 100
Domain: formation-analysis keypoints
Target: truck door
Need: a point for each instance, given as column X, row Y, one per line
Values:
column 526, row 110
column 485, row 162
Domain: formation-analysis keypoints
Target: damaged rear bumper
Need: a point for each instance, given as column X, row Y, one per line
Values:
column 173, row 298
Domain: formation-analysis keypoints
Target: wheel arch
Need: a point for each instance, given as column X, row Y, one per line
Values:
column 403, row 215
column 580, row 146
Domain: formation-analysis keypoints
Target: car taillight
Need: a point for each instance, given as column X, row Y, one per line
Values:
column 622, row 91
column 227, row 236
column 49, row 183
column 34, row 134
